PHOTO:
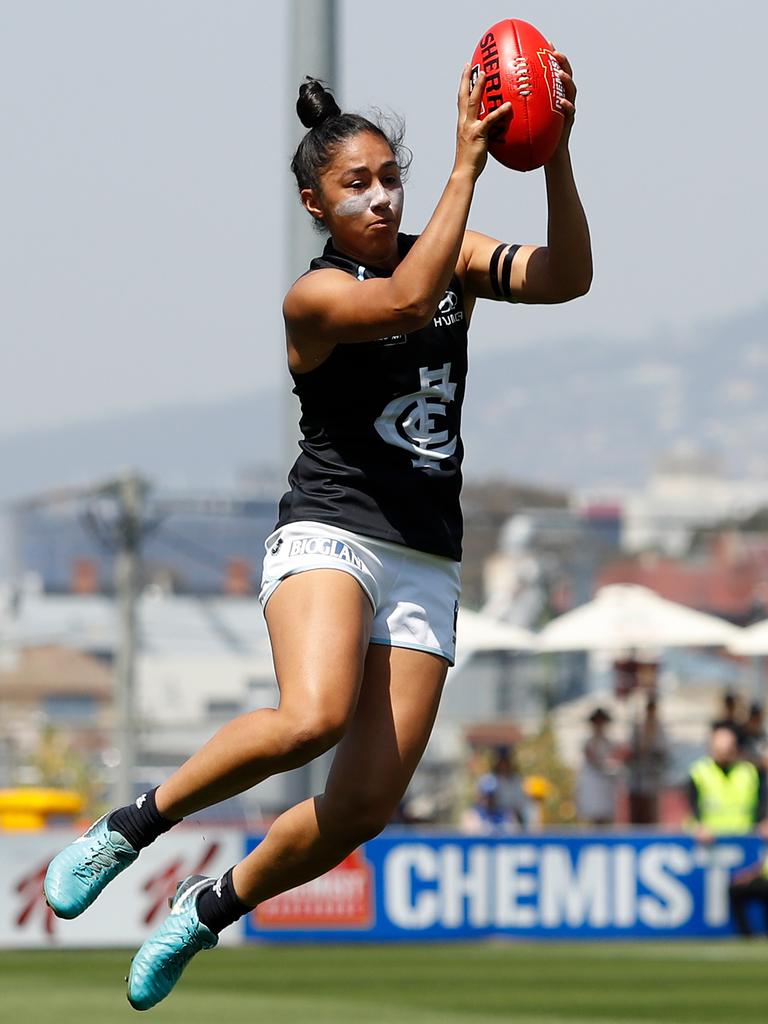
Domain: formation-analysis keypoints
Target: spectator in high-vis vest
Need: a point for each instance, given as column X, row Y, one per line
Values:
column 726, row 794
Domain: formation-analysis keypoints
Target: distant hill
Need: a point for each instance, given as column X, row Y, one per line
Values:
column 593, row 410
column 580, row 412
column 184, row 446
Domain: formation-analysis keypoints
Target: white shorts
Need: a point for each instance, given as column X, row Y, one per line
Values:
column 414, row 595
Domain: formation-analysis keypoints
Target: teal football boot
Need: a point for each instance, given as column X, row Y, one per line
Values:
column 160, row 962
column 77, row 875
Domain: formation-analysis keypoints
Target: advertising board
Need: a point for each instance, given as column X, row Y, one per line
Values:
column 130, row 908
column 406, row 886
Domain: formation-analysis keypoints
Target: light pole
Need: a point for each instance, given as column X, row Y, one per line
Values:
column 313, row 49
column 312, row 46
column 130, row 491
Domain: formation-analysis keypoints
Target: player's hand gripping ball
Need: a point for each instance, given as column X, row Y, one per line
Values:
column 521, row 68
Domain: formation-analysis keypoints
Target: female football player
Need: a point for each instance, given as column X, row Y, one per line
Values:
column 361, row 577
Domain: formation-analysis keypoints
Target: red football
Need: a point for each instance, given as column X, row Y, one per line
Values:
column 520, row 68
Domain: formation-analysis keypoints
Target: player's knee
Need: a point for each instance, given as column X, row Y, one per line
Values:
column 361, row 815
column 313, row 734
column 371, row 824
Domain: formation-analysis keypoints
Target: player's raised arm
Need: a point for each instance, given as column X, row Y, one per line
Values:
column 559, row 271
column 351, row 182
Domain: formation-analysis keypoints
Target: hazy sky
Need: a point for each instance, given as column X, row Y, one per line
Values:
column 144, row 178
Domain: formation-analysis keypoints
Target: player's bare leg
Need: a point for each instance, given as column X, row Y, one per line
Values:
column 319, row 623
column 371, row 770
column 373, row 764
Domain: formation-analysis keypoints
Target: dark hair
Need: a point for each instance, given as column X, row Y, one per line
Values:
column 329, row 127
column 599, row 715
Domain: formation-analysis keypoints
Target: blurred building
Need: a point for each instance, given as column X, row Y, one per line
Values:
column 688, row 490
column 726, row 574
column 488, row 507
column 542, row 550
column 194, row 544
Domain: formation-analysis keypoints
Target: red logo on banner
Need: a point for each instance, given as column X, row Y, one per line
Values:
column 30, row 889
column 161, row 887
column 342, row 898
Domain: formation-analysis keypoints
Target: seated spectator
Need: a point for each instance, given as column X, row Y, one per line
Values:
column 501, row 804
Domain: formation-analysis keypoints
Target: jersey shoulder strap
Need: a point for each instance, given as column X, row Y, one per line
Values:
column 334, row 259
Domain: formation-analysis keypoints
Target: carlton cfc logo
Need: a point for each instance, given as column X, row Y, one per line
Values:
column 414, row 422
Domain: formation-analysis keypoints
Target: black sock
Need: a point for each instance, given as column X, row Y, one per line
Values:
column 140, row 822
column 220, row 905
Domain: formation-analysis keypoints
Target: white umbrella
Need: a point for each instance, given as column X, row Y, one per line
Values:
column 626, row 616
column 752, row 641
column 478, row 632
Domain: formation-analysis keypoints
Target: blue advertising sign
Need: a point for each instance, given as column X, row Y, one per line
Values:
column 412, row 886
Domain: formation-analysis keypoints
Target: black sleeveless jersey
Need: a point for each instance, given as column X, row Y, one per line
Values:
column 381, row 451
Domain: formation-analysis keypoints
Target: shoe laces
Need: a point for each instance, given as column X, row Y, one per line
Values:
column 101, row 858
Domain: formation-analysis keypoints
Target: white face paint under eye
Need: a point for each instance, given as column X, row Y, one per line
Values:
column 374, row 196
column 396, row 198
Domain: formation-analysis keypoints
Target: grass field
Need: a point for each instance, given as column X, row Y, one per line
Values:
column 705, row 982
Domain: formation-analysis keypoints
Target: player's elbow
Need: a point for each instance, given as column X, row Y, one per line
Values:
column 571, row 286
column 584, row 281
column 412, row 315
column 580, row 287
column 411, row 307
column 567, row 275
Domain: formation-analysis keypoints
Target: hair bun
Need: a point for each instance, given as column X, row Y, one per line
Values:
column 315, row 104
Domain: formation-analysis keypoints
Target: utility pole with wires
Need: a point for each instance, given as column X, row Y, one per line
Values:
column 120, row 514
column 115, row 516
